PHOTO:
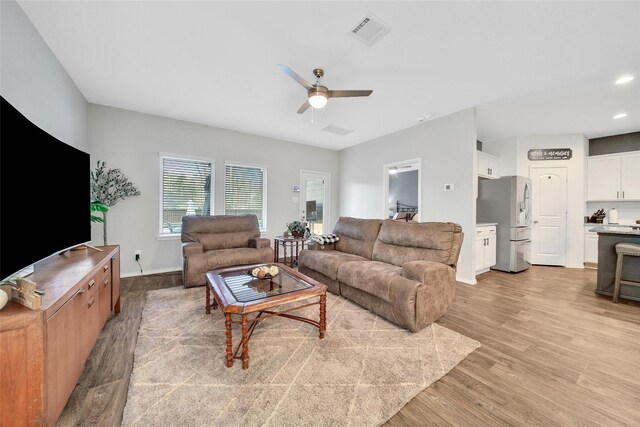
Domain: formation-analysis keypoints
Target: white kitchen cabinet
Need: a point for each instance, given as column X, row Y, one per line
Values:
column 485, row 248
column 487, row 166
column 630, row 176
column 590, row 247
column 614, row 177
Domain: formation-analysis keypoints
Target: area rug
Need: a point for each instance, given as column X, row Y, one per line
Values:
column 361, row 374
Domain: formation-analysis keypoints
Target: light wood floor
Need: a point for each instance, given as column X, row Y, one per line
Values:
column 553, row 353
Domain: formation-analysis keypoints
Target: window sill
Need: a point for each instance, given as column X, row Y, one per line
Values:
column 168, row 237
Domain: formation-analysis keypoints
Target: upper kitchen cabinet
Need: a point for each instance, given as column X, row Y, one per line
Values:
column 487, row 166
column 614, row 177
column 630, row 176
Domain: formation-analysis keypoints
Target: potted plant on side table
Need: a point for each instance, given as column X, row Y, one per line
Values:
column 298, row 229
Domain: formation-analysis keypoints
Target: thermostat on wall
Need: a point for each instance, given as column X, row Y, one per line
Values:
column 448, row 187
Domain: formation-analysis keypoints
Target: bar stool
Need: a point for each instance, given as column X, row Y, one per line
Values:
column 622, row 249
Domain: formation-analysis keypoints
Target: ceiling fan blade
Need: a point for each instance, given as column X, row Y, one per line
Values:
column 304, row 107
column 348, row 93
column 295, row 76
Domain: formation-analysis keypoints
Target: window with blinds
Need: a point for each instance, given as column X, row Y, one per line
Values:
column 245, row 191
column 186, row 189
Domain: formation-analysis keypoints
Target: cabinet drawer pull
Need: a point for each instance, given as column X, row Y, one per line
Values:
column 91, row 301
column 91, row 283
column 617, row 194
column 623, row 194
column 106, row 283
column 80, row 291
column 105, row 268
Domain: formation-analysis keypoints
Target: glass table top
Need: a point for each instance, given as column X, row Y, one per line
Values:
column 245, row 287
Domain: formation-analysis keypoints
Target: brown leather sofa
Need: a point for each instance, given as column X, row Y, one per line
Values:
column 402, row 271
column 211, row 242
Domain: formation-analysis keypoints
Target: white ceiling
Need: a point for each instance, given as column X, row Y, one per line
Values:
column 531, row 67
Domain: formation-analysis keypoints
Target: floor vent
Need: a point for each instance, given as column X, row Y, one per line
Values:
column 370, row 30
column 337, row 130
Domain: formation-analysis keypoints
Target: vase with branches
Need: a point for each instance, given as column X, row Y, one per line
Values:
column 108, row 187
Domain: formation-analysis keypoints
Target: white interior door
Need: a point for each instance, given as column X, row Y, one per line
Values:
column 549, row 208
column 315, row 190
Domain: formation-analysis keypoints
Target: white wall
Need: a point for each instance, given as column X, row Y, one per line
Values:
column 447, row 147
column 34, row 82
column 576, row 183
column 132, row 141
column 513, row 153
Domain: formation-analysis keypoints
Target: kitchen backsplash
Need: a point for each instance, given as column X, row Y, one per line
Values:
column 628, row 212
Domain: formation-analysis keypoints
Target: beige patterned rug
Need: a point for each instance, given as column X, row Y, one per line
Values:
column 361, row 374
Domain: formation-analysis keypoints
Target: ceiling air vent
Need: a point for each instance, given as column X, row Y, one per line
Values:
column 337, row 130
column 370, row 30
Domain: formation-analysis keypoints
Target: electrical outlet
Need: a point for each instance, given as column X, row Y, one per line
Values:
column 137, row 254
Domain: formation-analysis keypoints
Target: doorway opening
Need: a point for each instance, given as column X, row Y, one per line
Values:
column 402, row 195
column 315, row 196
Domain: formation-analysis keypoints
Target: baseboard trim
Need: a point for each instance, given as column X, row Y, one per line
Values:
column 467, row 281
column 148, row 272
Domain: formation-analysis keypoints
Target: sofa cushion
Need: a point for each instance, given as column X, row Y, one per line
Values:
column 326, row 262
column 238, row 256
column 399, row 242
column 220, row 231
column 357, row 236
column 379, row 279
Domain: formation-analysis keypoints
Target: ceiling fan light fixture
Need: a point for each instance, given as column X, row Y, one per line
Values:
column 318, row 99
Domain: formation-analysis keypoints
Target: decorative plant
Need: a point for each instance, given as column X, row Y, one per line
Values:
column 298, row 228
column 108, row 187
column 98, row 207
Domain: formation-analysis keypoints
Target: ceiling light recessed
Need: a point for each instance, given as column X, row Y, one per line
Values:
column 620, row 116
column 624, row 79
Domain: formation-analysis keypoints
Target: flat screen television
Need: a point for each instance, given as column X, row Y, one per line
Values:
column 44, row 193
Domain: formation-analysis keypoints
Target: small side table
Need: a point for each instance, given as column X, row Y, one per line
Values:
column 291, row 247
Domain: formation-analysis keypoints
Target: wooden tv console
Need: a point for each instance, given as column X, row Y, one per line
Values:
column 42, row 353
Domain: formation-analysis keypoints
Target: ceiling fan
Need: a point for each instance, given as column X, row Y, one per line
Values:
column 319, row 95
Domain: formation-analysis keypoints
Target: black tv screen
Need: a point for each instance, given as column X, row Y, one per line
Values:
column 44, row 193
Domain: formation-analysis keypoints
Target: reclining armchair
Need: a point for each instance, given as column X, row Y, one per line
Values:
column 212, row 242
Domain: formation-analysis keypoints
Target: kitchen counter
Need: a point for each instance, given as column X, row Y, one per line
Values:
column 485, row 224
column 616, row 229
column 608, row 237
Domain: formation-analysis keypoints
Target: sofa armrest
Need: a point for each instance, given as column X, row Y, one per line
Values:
column 259, row 243
column 425, row 272
column 191, row 248
column 315, row 246
column 436, row 291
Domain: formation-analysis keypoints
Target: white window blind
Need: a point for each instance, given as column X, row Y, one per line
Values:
column 245, row 192
column 186, row 189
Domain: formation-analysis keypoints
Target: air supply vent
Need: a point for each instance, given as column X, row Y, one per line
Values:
column 370, row 30
column 337, row 130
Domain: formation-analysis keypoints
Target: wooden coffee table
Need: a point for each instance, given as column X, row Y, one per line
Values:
column 240, row 294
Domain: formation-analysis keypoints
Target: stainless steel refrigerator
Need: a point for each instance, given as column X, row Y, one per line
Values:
column 507, row 201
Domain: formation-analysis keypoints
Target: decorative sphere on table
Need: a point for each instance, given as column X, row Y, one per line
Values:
column 4, row 298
